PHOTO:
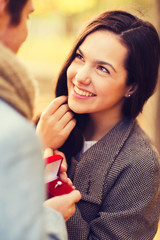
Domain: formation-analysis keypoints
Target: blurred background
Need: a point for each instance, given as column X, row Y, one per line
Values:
column 53, row 28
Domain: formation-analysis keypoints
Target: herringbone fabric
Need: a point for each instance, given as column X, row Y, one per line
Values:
column 119, row 179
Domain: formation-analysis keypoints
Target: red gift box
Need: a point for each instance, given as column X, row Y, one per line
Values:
column 55, row 187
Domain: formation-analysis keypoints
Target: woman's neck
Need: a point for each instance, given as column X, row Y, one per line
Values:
column 99, row 127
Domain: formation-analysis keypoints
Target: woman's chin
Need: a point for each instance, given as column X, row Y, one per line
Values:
column 75, row 108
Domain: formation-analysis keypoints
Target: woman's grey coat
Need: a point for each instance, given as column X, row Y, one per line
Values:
column 119, row 179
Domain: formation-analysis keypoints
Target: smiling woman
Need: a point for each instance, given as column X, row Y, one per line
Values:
column 109, row 74
column 98, row 76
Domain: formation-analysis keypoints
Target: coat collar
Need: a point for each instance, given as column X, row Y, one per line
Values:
column 92, row 168
column 17, row 87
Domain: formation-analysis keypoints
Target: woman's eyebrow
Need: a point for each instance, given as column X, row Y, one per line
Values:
column 99, row 61
column 79, row 50
column 105, row 63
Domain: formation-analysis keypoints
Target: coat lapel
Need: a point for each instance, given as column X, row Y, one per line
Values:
column 94, row 164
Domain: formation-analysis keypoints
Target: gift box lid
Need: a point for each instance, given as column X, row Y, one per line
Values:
column 53, row 164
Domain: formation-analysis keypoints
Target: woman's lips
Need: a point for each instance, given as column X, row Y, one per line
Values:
column 83, row 92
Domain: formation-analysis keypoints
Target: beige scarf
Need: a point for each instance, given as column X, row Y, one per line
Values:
column 16, row 86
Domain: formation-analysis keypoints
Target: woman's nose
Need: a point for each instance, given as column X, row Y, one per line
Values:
column 83, row 75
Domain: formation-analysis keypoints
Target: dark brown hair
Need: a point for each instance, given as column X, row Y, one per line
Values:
column 142, row 63
column 15, row 8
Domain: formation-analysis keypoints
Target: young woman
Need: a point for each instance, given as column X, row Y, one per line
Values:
column 109, row 75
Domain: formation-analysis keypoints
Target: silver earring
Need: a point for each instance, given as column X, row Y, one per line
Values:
column 129, row 95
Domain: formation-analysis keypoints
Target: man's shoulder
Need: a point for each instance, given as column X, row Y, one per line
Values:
column 18, row 139
column 13, row 123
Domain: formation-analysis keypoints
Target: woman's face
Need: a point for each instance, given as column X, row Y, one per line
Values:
column 96, row 78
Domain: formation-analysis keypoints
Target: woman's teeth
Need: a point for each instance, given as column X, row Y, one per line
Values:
column 83, row 93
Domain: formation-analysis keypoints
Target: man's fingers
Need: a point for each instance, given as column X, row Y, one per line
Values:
column 64, row 162
column 76, row 195
column 48, row 152
column 63, row 177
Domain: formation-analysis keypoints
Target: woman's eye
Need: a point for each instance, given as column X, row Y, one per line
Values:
column 103, row 69
column 78, row 56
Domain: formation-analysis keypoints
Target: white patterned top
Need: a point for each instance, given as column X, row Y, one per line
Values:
column 87, row 145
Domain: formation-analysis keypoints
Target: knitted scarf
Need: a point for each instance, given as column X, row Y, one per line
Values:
column 16, row 86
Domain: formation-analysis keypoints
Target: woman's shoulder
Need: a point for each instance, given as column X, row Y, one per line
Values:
column 141, row 140
column 137, row 158
column 139, row 147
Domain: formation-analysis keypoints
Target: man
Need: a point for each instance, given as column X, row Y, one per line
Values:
column 22, row 214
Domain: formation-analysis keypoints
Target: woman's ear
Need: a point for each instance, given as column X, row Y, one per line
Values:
column 132, row 89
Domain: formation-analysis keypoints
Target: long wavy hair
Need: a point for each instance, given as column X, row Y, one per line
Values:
column 142, row 63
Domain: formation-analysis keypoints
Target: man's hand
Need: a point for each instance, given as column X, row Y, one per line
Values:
column 62, row 173
column 65, row 204
column 56, row 123
column 63, row 169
